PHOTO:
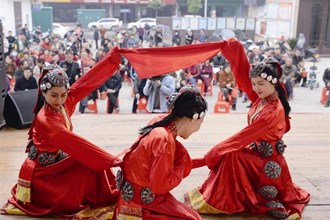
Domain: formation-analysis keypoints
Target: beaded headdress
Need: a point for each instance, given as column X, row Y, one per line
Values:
column 269, row 69
column 187, row 88
column 56, row 76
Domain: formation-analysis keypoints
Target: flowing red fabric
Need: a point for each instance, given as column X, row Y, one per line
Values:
column 156, row 61
column 58, row 188
column 238, row 173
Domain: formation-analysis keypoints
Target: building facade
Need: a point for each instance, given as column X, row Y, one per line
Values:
column 14, row 14
column 314, row 22
column 125, row 10
column 273, row 18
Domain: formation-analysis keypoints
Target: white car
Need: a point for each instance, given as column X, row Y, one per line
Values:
column 61, row 30
column 150, row 21
column 107, row 23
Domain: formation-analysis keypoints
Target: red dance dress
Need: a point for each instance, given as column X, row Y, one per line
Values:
column 248, row 170
column 155, row 165
column 64, row 173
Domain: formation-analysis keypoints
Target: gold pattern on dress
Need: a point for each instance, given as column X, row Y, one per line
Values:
column 256, row 113
column 100, row 213
column 263, row 102
column 129, row 213
column 10, row 209
column 195, row 200
column 23, row 190
column 67, row 121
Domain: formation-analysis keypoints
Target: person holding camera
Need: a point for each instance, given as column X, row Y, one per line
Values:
column 157, row 89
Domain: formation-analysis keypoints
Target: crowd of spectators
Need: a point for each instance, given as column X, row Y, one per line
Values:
column 76, row 54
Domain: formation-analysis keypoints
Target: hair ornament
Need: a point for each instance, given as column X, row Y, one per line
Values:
column 58, row 77
column 269, row 60
column 195, row 116
column 257, row 69
column 173, row 97
column 43, row 87
column 189, row 87
column 171, row 100
column 269, row 78
column 263, row 75
column 198, row 115
column 265, row 71
column 52, row 67
column 48, row 85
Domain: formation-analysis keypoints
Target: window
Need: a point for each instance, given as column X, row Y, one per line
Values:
column 327, row 30
column 18, row 16
column 316, row 23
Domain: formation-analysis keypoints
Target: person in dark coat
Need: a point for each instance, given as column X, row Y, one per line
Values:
column 11, row 40
column 71, row 67
column 112, row 87
column 326, row 80
column 189, row 37
column 138, row 85
column 96, row 37
column 176, row 40
column 158, row 37
column 26, row 82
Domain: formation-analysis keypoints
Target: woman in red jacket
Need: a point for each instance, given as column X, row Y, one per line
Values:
column 157, row 162
column 64, row 173
column 248, row 170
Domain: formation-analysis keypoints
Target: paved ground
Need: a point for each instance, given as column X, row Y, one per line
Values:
column 307, row 153
column 305, row 100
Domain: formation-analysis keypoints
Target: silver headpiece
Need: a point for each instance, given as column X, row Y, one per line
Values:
column 55, row 77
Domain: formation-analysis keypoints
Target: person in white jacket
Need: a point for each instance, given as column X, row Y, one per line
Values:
column 157, row 89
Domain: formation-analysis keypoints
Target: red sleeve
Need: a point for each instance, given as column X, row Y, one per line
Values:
column 182, row 159
column 76, row 146
column 93, row 79
column 167, row 170
column 198, row 162
column 234, row 52
column 241, row 139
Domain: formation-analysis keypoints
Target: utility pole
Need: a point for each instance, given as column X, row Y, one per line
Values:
column 205, row 8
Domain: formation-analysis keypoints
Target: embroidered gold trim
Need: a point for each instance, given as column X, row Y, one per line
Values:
column 23, row 190
column 256, row 113
column 67, row 121
column 129, row 213
column 10, row 209
column 102, row 213
column 127, row 217
column 195, row 199
column 294, row 216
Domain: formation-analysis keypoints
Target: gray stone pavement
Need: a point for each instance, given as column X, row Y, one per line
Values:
column 304, row 101
column 307, row 153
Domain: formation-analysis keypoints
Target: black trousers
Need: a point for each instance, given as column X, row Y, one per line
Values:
column 112, row 101
column 134, row 108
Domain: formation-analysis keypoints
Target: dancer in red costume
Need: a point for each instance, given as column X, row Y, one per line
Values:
column 248, row 170
column 157, row 162
column 64, row 173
